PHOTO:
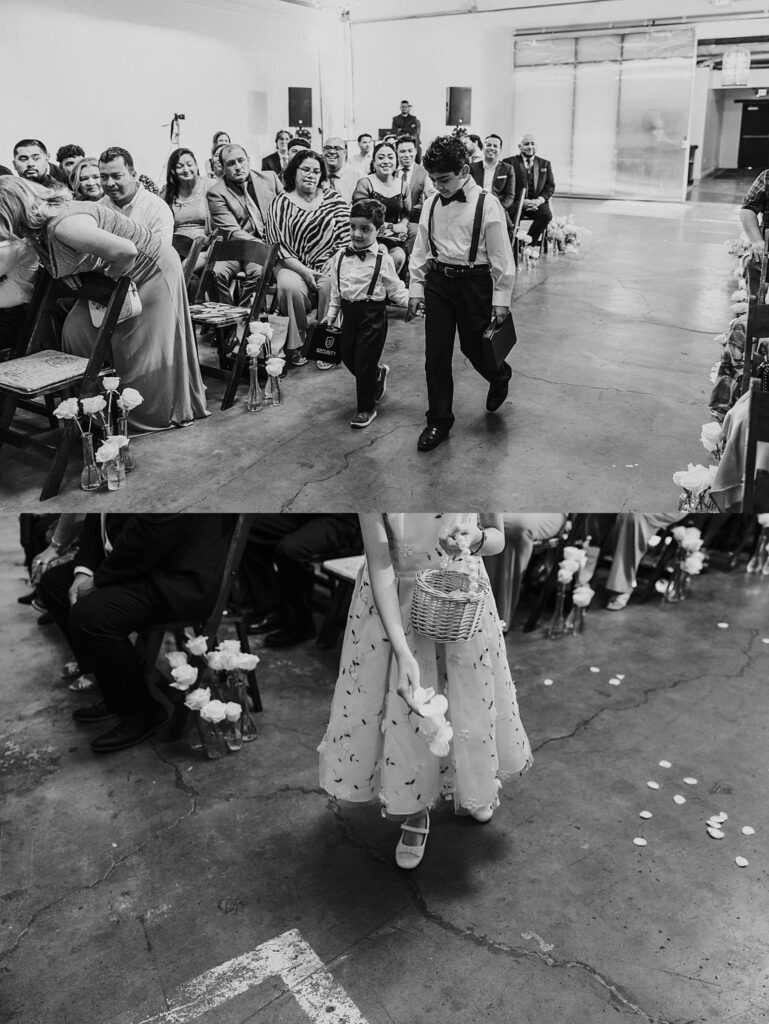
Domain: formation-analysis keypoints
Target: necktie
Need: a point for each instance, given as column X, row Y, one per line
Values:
column 458, row 197
column 360, row 253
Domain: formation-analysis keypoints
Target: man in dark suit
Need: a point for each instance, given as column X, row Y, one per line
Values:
column 497, row 176
column 417, row 181
column 132, row 572
column 238, row 205
column 536, row 175
column 406, row 124
column 277, row 161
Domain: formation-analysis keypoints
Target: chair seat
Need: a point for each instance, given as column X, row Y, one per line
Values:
column 344, row 568
column 217, row 314
column 33, row 374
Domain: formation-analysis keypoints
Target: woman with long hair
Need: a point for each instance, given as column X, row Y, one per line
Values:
column 220, row 139
column 382, row 184
column 185, row 193
column 154, row 351
column 85, row 180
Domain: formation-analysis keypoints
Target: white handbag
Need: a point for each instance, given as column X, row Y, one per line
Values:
column 132, row 306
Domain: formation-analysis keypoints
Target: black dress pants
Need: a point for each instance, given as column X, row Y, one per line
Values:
column 539, row 222
column 364, row 332
column 455, row 304
column 277, row 562
column 98, row 629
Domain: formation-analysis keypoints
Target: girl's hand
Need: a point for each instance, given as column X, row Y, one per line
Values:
column 408, row 678
column 459, row 538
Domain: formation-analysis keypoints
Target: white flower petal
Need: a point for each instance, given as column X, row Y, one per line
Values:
column 594, row 669
column 690, row 780
column 748, row 830
column 547, row 682
column 615, row 682
column 653, row 785
column 741, row 862
column 715, row 833
column 665, row 764
column 723, row 625
column 679, row 799
column 645, row 814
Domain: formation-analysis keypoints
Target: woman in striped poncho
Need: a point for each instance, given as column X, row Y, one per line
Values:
column 310, row 225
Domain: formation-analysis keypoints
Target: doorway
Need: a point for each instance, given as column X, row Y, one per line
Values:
column 754, row 134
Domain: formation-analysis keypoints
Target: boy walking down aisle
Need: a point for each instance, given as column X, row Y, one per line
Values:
column 462, row 270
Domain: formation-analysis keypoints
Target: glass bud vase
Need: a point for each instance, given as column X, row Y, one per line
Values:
column 115, row 473
column 90, row 478
column 758, row 560
column 679, row 584
column 233, row 733
column 558, row 626
column 247, row 720
column 255, row 400
column 212, row 735
column 275, row 394
column 126, row 454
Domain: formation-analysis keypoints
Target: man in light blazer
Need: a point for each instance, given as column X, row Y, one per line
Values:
column 497, row 176
column 238, row 205
column 418, row 183
column 536, row 175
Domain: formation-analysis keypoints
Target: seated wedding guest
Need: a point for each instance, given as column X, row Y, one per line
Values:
column 415, row 181
column 67, row 157
column 754, row 218
column 341, row 177
column 728, row 487
column 238, row 205
column 361, row 160
column 309, row 224
column 535, row 174
column 155, row 351
column 277, row 568
column 297, row 143
column 628, row 542
column 474, row 147
column 278, row 160
column 185, row 193
column 30, row 158
column 132, row 572
column 215, row 164
column 385, row 185
column 507, row 569
column 220, row 139
column 85, row 180
column 124, row 193
column 496, row 176
column 18, row 272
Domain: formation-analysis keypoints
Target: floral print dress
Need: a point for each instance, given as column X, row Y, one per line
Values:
column 372, row 748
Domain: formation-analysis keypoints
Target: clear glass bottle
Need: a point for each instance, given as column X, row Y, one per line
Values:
column 275, row 395
column 90, row 478
column 213, row 739
column 115, row 473
column 255, row 400
column 558, row 626
column 247, row 720
column 126, row 454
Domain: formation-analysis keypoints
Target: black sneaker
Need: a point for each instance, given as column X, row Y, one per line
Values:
column 362, row 419
column 381, row 383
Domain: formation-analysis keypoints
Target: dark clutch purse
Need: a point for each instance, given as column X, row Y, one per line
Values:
column 498, row 340
column 324, row 345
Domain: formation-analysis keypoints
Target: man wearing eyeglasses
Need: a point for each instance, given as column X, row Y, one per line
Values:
column 341, row 177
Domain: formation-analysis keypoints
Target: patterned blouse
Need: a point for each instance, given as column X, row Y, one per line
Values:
column 311, row 236
column 757, row 198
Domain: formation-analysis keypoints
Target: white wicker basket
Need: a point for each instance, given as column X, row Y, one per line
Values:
column 444, row 608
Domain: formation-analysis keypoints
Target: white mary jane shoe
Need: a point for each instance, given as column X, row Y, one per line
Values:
column 408, row 857
column 482, row 814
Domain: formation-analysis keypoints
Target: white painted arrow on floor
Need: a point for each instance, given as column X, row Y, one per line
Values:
column 287, row 956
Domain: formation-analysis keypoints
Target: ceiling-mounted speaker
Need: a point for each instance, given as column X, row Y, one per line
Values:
column 299, row 107
column 458, row 105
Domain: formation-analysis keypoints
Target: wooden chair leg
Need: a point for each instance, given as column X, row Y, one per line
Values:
column 547, row 591
column 8, row 404
column 59, row 463
column 238, row 366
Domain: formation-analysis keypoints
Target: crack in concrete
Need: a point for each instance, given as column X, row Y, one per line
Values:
column 150, row 952
column 591, row 387
column 10, row 950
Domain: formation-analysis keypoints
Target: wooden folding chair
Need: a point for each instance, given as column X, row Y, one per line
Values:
column 758, row 433
column 757, row 325
column 340, row 574
column 189, row 250
column 39, row 373
column 224, row 612
column 573, row 531
column 225, row 320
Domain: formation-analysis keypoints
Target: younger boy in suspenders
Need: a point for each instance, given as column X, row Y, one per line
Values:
column 363, row 278
column 462, row 270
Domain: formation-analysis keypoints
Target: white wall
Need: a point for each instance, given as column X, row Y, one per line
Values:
column 111, row 72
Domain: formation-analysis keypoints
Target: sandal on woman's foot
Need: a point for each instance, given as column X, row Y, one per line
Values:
column 618, row 602
column 408, row 857
column 82, row 684
column 71, row 670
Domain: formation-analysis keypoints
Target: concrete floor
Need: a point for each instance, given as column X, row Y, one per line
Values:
column 609, row 391
column 126, row 877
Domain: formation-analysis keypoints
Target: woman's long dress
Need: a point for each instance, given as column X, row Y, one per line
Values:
column 154, row 352
column 372, row 748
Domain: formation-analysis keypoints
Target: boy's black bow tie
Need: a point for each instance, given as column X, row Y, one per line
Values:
column 360, row 253
column 458, row 197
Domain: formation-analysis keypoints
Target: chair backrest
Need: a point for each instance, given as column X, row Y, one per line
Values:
column 189, row 249
column 757, row 325
column 758, row 433
column 244, row 250
column 519, row 211
column 234, row 555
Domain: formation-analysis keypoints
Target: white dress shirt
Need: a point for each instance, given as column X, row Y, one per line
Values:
column 355, row 277
column 147, row 209
column 452, row 235
column 361, row 163
column 344, row 181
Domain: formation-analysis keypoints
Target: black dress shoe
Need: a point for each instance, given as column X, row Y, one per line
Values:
column 128, row 732
column 27, row 598
column 431, row 437
column 496, row 396
column 288, row 637
column 266, row 624
column 98, row 712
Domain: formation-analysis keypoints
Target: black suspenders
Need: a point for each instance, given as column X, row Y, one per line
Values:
column 476, row 238
column 374, row 276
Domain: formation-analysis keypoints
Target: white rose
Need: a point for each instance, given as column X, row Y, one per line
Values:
column 679, row 532
column 129, row 399
column 111, row 383
column 176, row 659
column 108, row 451
column 763, row 519
column 582, row 596
column 692, row 539
column 695, row 479
column 229, row 660
column 564, row 576
column 693, row 564
column 570, row 565
column 253, row 348
column 214, row 661
column 248, row 662
column 275, row 366
column 233, row 710
column 185, row 676
column 93, row 405
column 197, row 645
column 67, row 410
column 197, row 699
column 229, row 645
column 214, row 711
column 711, row 436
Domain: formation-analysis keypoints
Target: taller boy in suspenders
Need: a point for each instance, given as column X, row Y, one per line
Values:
column 462, row 270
